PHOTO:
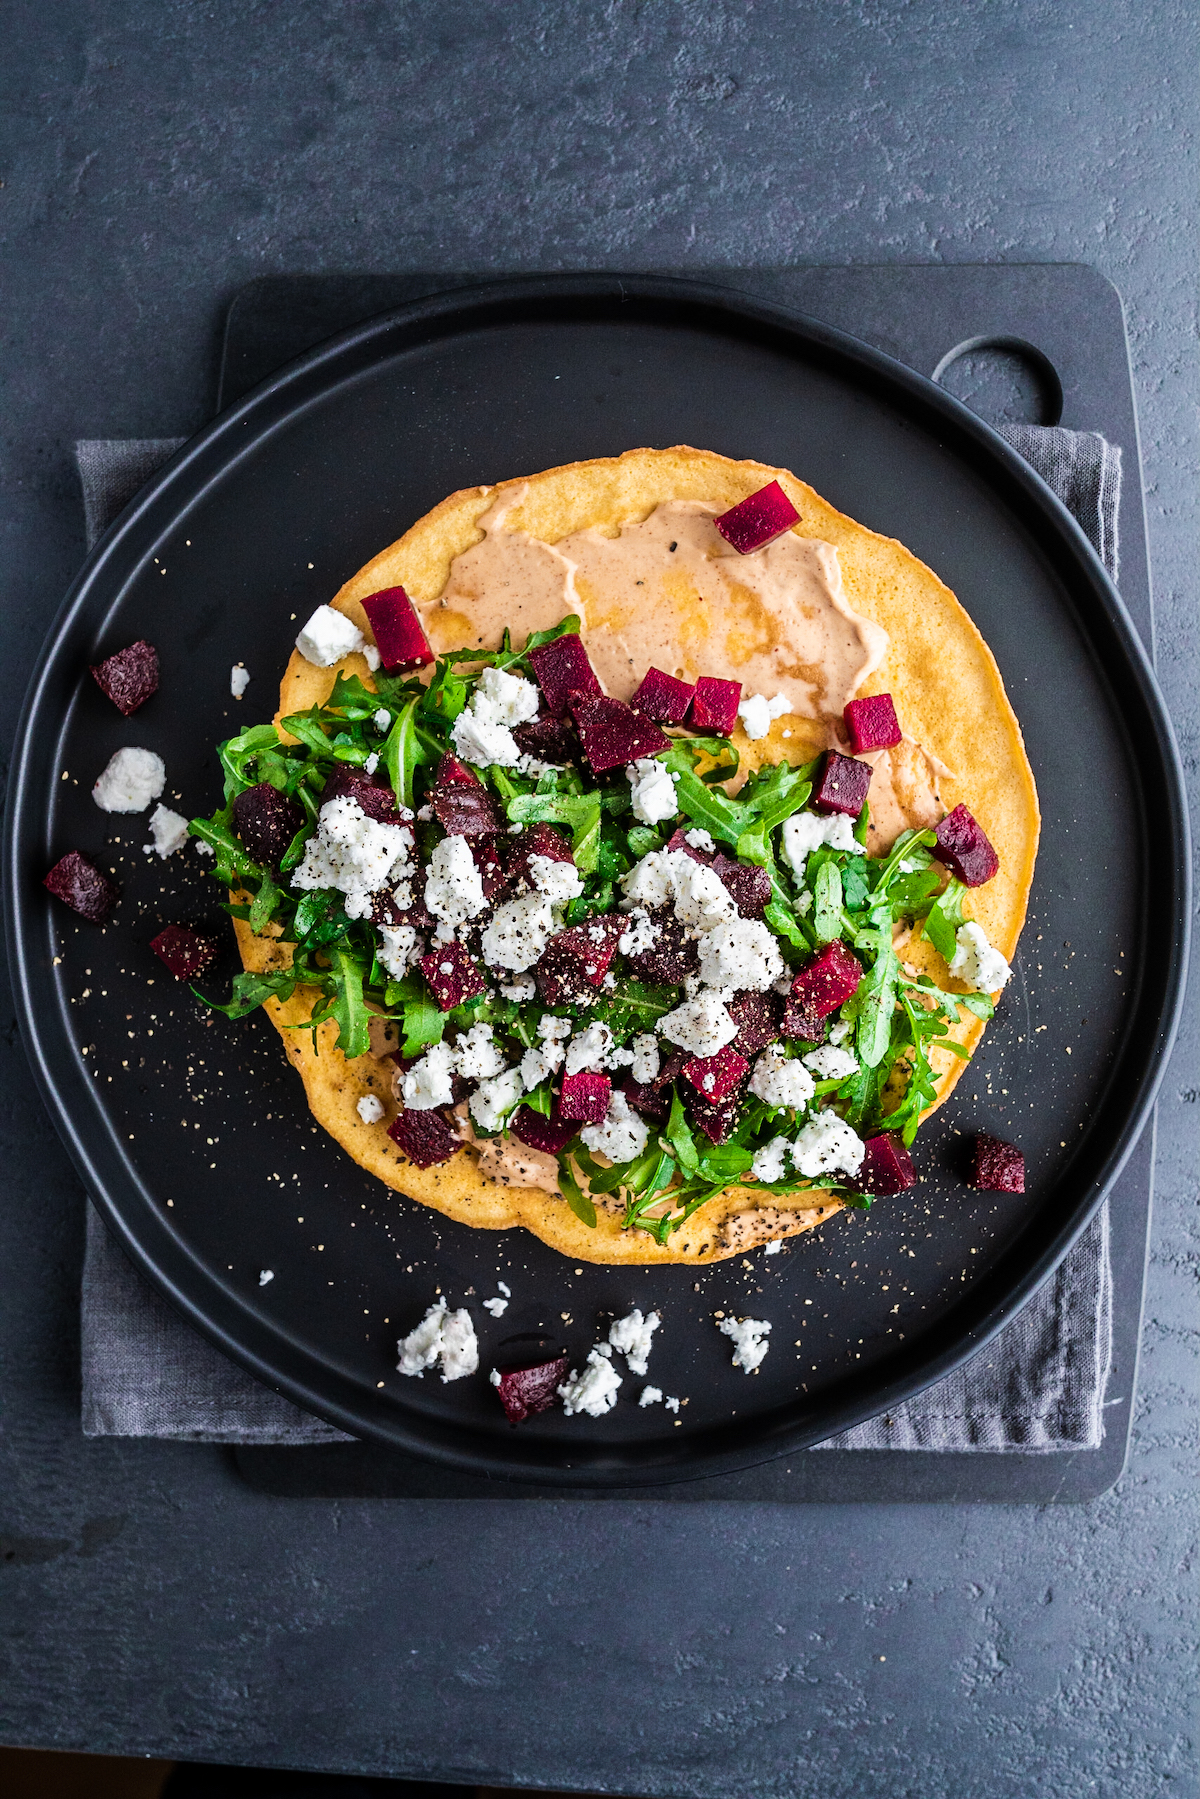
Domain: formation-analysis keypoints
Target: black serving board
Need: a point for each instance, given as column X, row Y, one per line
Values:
column 262, row 517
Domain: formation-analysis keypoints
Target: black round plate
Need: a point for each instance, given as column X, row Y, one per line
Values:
column 192, row 1134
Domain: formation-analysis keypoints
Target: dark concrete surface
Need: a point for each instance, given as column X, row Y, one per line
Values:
column 155, row 155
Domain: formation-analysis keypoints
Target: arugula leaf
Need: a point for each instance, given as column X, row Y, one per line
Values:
column 633, row 1006
column 827, row 908
column 424, row 1023
column 263, row 908
column 573, row 1193
column 876, row 1002
column 944, row 918
column 249, row 990
column 349, row 1007
column 309, row 727
column 707, row 807
column 678, row 1134
column 402, row 754
column 239, row 754
column 580, row 812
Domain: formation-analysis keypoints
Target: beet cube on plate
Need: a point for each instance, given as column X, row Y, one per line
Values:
column 651, row 1102
column 425, row 1137
column 266, row 821
column 748, row 886
column 186, row 952
column 671, row 958
column 827, row 982
column 585, row 1097
column 670, row 1069
column 612, row 733
column 78, row 883
column 535, row 840
column 872, row 723
column 717, row 1121
column 373, row 793
column 535, row 1131
column 963, row 847
column 663, row 698
column 551, row 740
column 488, row 854
column 129, row 677
column 803, row 1022
column 757, row 520
column 678, row 841
column 452, row 974
column 715, row 1076
column 715, row 706
column 996, row 1166
column 562, row 668
column 524, row 1391
column 397, row 630
column 886, row 1165
column 843, row 785
column 575, row 961
column 461, row 803
column 758, row 1017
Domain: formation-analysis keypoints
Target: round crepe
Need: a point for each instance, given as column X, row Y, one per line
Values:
column 949, row 697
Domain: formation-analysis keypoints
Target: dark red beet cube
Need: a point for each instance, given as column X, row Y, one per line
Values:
column 397, row 630
column 757, row 520
column 828, row 981
column 186, row 952
column 758, row 1017
column 373, row 793
column 612, row 733
column 996, row 1166
column 78, row 883
column 663, row 698
column 452, row 974
column 804, row 1021
column 489, row 860
column 843, row 785
column 887, row 1166
column 524, row 1391
column 715, row 1076
column 461, row 803
column 678, row 841
column 671, row 958
column 715, row 706
column 718, row 1122
column 962, row 846
column 749, row 885
column 129, row 677
column 651, row 1102
column 535, row 840
column 872, row 723
column 576, row 960
column 538, row 1132
column 266, row 821
column 562, row 668
column 585, row 1097
column 425, row 1137
column 551, row 740
column 670, row 1069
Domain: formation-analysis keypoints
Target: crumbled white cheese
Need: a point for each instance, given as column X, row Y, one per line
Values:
column 239, row 679
column 649, row 882
column 399, row 948
column 554, row 1029
column 702, row 899
column 839, row 1032
column 652, row 787
column 749, row 1338
column 589, row 1049
column 758, row 713
column 770, row 1162
column 640, row 934
column 804, row 832
column 371, row 763
column 477, row 1055
column 328, row 636
column 506, row 1290
column 453, row 886
column 594, row 1391
column 523, row 988
column 559, row 881
column 493, row 1100
column 741, row 953
column 778, row 1082
column 204, row 849
column 430, row 1080
column 518, row 933
column 370, row 1108
column 382, row 721
column 353, row 853
column 497, row 1307
column 646, row 1059
column 504, row 699
column 266, row 1276
column 651, row 1396
column 540, row 1062
column 976, row 962
column 699, row 840
column 623, row 1134
column 632, row 1336
column 484, row 743
column 773, row 1247
column 130, row 781
column 829, row 1063
column 701, row 1025
column 672, row 1405
column 442, row 1336
column 169, row 831
column 827, row 1145
column 619, row 1057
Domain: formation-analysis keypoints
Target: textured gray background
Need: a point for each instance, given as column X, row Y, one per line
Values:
column 155, row 156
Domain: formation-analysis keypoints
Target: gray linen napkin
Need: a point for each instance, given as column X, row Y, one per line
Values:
column 1039, row 1385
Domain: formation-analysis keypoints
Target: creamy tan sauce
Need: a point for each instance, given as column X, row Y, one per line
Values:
column 505, row 1160
column 903, row 795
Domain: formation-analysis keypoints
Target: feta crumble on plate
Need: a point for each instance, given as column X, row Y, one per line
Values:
column 169, row 831
column 370, row 1108
column 827, row 1145
column 329, row 635
column 758, row 713
column 632, row 1336
column 804, row 832
column 623, row 1134
column 749, row 1339
column 131, row 779
column 701, row 1025
column 239, row 679
column 652, row 788
column 780, row 1082
column 593, row 1391
column 442, row 1336
column 831, row 1063
column 976, row 962
column 740, row 953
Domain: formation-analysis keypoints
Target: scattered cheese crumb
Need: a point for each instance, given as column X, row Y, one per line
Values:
column 749, row 1338
column 130, row 781
column 268, row 1274
column 370, row 1108
column 169, row 831
column 239, row 679
column 632, row 1335
column 977, row 963
column 442, row 1336
column 593, row 1391
column 497, row 1307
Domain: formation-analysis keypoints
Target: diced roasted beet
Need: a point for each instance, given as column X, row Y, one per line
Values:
column 425, row 1137
column 524, row 1391
column 757, row 520
column 78, row 883
column 718, row 1122
column 843, row 785
column 535, row 840
column 715, row 1076
column 715, row 706
column 887, row 1166
column 585, row 1096
column 749, row 885
column 612, row 733
column 384, row 910
column 461, row 803
column 397, row 630
column 652, row 1102
column 828, row 981
column 549, row 739
column 663, row 698
column 758, row 1017
column 562, row 668
column 963, row 847
column 489, row 860
column 996, row 1166
column 538, row 1132
column 872, row 723
column 186, row 952
column 372, row 792
column 804, row 1022
column 452, row 974
column 266, row 821
column 576, row 960
column 669, row 1069
column 669, row 961
column 129, row 677
column 678, row 841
